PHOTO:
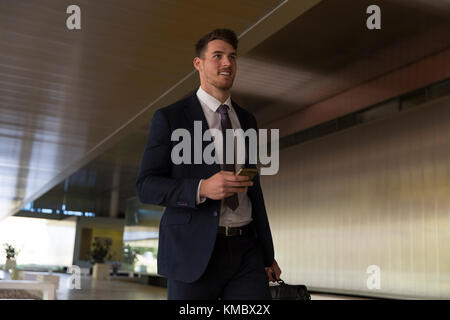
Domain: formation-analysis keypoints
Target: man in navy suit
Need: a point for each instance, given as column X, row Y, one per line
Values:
column 214, row 240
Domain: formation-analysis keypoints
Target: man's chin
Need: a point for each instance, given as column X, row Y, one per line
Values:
column 225, row 86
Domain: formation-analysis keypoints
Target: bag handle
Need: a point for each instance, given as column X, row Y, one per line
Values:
column 280, row 281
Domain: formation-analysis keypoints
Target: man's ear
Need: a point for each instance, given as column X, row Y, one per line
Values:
column 197, row 62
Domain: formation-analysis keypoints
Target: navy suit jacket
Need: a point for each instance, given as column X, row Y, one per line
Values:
column 187, row 231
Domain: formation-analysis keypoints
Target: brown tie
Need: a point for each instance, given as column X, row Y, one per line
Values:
column 231, row 201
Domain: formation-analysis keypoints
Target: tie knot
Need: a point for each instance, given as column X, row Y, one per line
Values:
column 223, row 109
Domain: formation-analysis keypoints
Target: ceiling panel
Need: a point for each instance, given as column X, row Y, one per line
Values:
column 63, row 92
column 329, row 50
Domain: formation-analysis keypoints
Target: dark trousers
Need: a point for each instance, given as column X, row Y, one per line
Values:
column 235, row 271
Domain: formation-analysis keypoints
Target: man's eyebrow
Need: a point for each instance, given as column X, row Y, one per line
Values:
column 218, row 51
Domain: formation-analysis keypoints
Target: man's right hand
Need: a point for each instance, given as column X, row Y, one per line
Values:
column 224, row 184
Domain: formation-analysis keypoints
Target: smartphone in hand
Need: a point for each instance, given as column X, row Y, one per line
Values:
column 249, row 172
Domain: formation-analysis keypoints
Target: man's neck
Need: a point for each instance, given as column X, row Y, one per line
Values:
column 220, row 95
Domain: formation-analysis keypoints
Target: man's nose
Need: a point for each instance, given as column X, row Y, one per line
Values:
column 226, row 61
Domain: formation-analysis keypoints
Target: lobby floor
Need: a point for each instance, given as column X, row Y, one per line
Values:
column 124, row 288
column 117, row 288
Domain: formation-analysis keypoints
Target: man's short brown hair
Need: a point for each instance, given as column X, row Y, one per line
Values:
column 226, row 35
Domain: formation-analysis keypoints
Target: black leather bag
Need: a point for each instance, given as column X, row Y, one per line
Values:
column 284, row 291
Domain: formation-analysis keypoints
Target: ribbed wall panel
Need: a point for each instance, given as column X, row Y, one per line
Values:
column 376, row 194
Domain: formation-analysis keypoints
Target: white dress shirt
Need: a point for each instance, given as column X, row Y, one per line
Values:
column 243, row 213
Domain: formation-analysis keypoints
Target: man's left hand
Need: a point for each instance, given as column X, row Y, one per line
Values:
column 273, row 272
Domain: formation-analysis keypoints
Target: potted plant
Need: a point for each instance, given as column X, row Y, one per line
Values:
column 99, row 254
column 11, row 255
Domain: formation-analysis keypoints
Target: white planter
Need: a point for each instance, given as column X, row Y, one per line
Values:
column 10, row 264
column 100, row 271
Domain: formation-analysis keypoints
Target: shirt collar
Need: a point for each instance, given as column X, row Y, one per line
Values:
column 211, row 102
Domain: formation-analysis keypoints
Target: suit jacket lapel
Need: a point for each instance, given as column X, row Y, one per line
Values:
column 194, row 112
column 241, row 115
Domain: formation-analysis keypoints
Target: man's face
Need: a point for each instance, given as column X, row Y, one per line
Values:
column 217, row 67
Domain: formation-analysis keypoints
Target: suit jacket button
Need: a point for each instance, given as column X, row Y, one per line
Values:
column 215, row 213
